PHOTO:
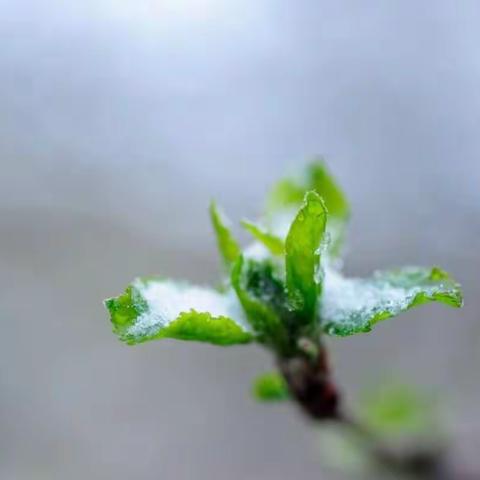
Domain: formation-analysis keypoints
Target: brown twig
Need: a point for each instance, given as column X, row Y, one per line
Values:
column 312, row 387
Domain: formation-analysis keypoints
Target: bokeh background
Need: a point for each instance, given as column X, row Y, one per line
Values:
column 120, row 119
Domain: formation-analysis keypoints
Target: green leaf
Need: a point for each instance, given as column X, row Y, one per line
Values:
column 399, row 418
column 325, row 185
column 302, row 259
column 153, row 308
column 288, row 194
column 353, row 305
column 261, row 295
column 227, row 245
column 274, row 244
column 270, row 387
column 396, row 409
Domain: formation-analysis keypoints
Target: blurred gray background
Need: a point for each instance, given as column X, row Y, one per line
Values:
column 120, row 119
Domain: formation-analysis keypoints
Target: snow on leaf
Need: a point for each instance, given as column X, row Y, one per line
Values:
column 354, row 305
column 153, row 308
